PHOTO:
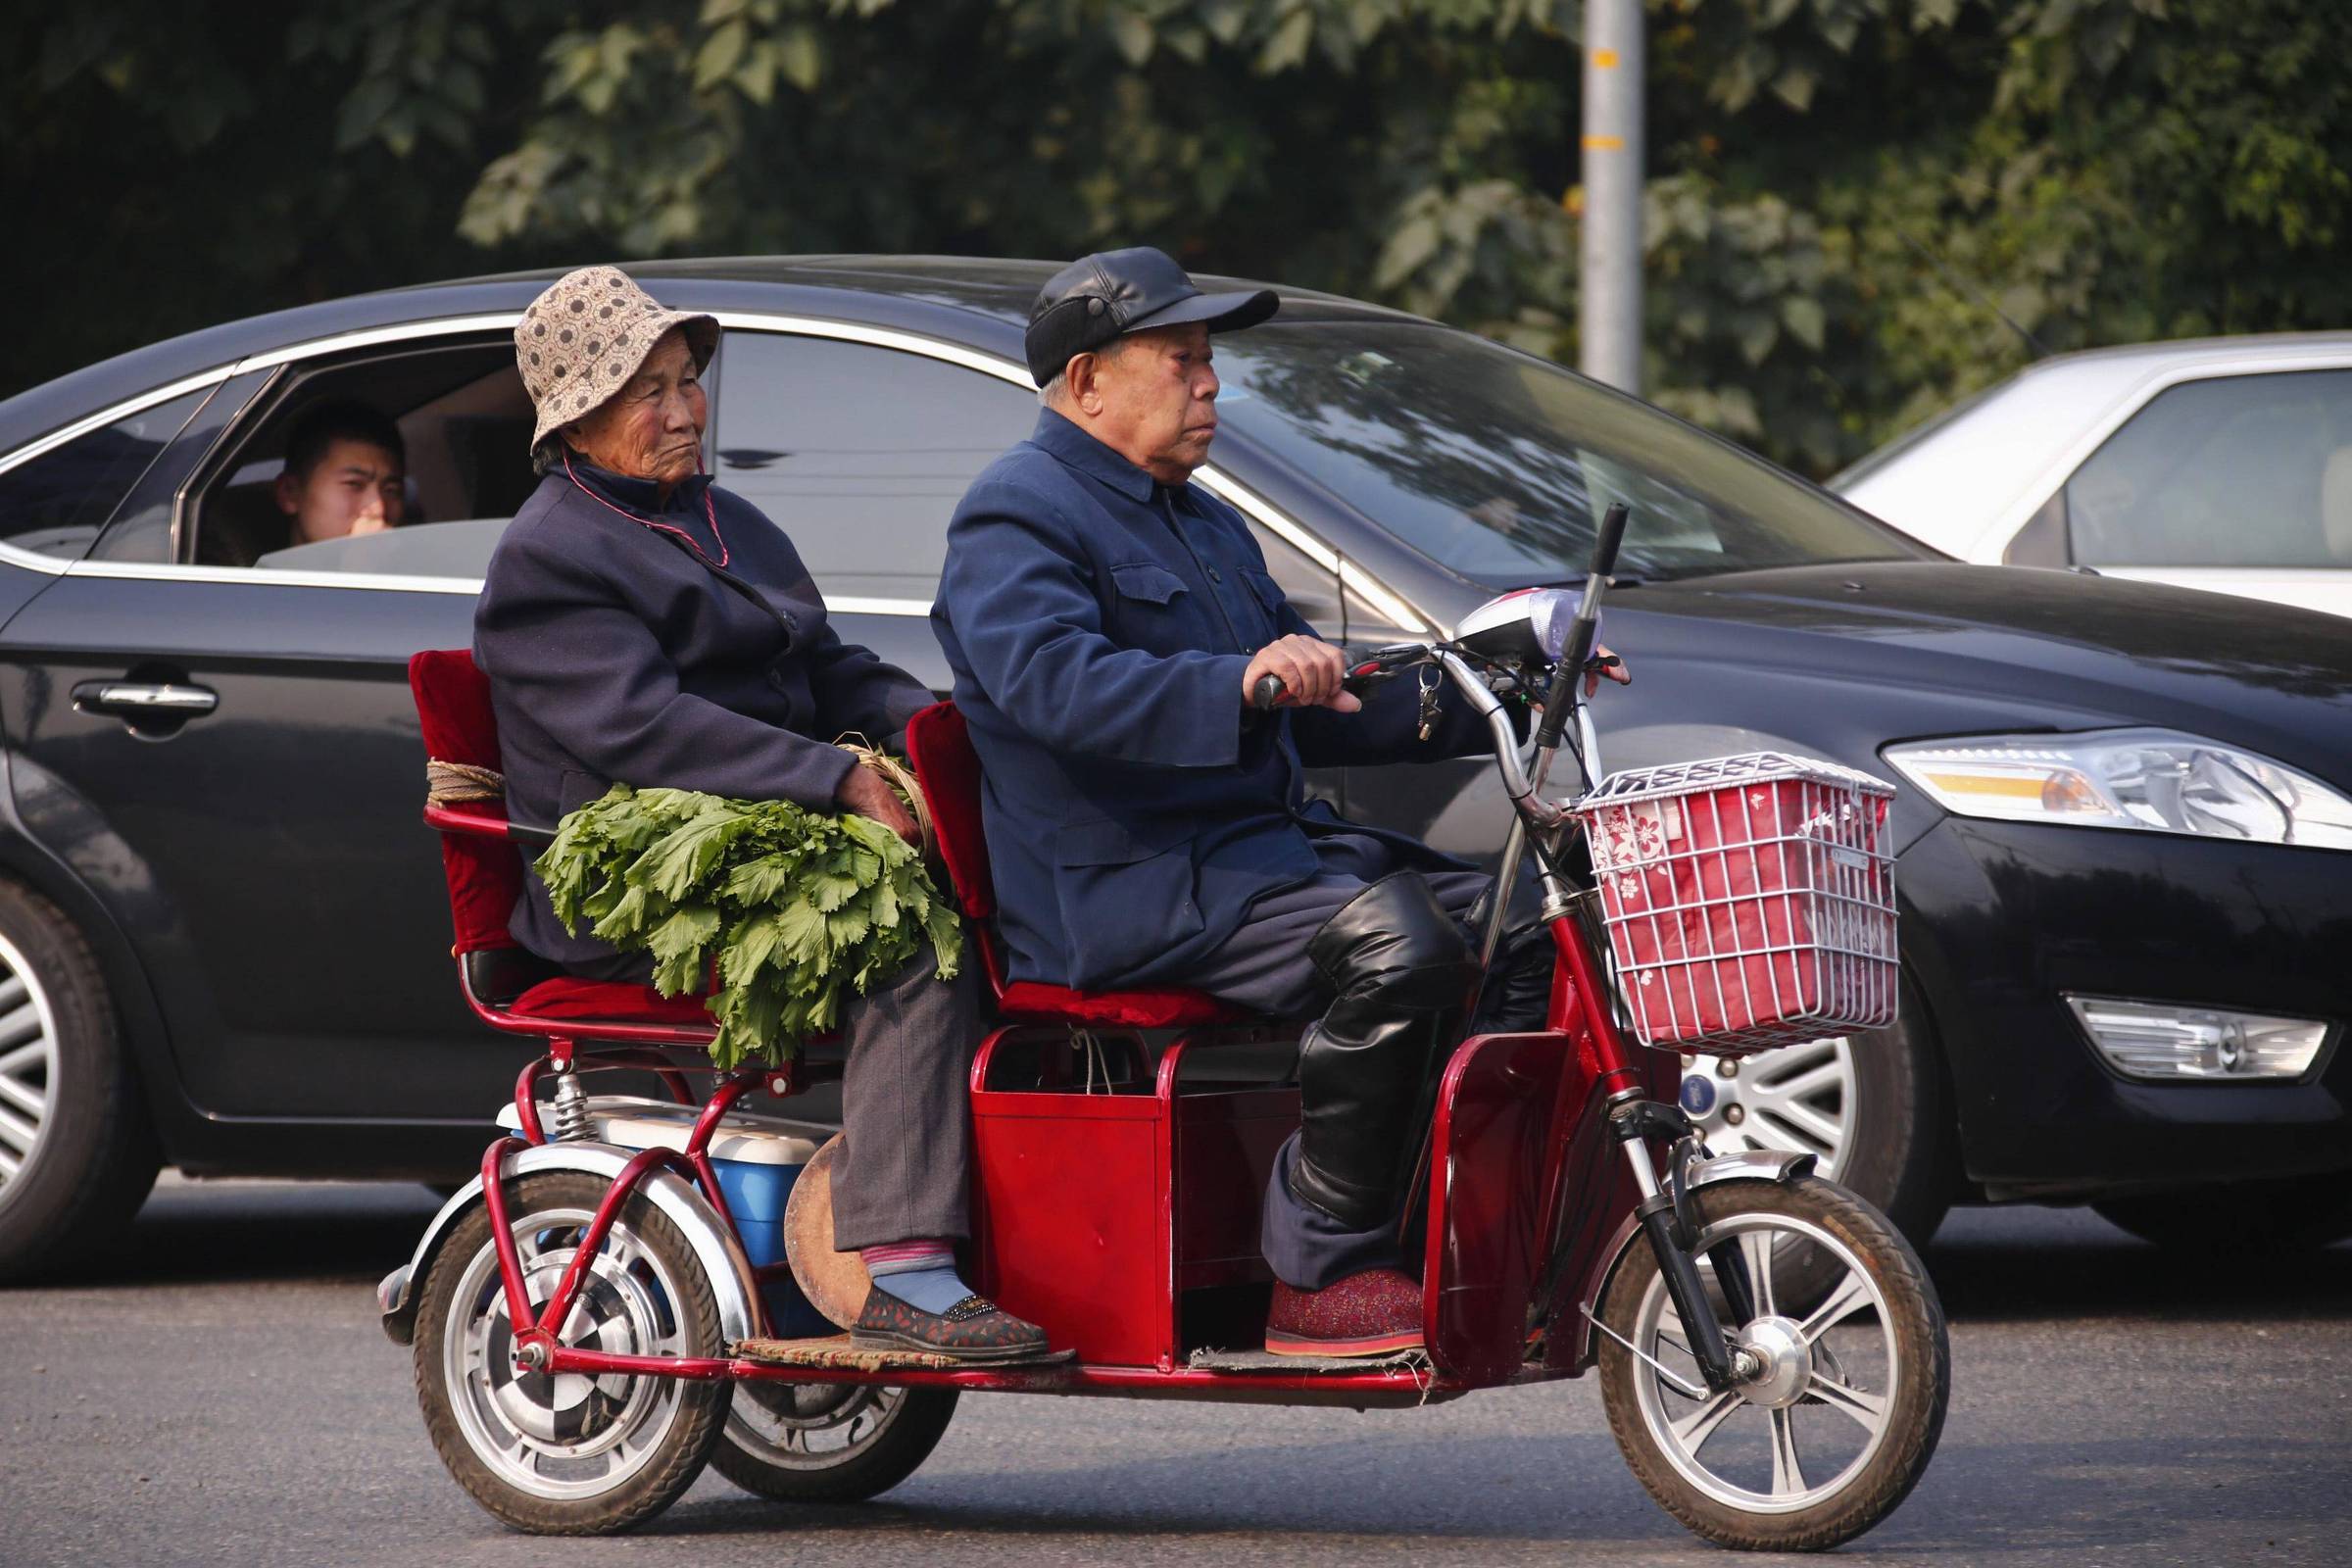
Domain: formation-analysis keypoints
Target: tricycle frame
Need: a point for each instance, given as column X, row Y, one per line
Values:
column 1504, row 1287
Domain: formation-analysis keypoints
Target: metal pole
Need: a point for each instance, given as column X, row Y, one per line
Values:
column 1609, row 303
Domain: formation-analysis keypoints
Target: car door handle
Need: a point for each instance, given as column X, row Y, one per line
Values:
column 134, row 699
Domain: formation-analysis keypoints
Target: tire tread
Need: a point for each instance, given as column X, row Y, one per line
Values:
column 103, row 1183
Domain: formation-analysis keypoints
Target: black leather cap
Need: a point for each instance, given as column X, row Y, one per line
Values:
column 1112, row 293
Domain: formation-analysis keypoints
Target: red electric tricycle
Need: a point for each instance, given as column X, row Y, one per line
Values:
column 594, row 1319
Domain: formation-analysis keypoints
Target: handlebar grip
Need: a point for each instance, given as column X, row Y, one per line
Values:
column 1269, row 689
column 1581, row 633
column 1555, row 709
column 1612, row 535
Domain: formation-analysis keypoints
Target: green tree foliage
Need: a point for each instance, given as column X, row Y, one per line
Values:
column 1858, row 210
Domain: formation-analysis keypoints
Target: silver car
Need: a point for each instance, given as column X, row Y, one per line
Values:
column 2223, row 464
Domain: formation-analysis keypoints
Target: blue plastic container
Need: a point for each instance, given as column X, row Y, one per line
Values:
column 757, row 1192
column 756, row 1160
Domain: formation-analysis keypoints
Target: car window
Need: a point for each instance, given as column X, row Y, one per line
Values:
column 1499, row 466
column 459, row 548
column 860, row 454
column 1312, row 589
column 142, row 527
column 464, row 422
column 54, row 504
column 2242, row 470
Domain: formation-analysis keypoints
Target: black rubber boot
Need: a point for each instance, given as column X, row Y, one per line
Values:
column 1402, row 974
column 1517, row 995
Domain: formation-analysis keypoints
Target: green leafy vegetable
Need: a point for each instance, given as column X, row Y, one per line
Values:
column 794, row 908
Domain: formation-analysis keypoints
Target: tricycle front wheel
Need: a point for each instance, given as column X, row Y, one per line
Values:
column 1848, row 1371
column 570, row 1454
column 829, row 1443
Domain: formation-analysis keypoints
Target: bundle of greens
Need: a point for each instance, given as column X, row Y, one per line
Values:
column 794, row 904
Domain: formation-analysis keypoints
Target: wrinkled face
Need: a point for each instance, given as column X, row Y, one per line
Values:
column 652, row 428
column 1158, row 400
column 355, row 487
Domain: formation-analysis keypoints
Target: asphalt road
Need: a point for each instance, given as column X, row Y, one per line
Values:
column 228, row 1399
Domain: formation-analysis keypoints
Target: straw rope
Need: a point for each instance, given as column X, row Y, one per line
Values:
column 899, row 777
column 450, row 783
column 453, row 783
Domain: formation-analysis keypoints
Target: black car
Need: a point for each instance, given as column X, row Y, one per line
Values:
column 2122, row 823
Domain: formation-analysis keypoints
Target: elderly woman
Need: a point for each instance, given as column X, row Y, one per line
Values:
column 639, row 624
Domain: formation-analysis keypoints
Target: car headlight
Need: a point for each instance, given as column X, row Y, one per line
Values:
column 2158, row 780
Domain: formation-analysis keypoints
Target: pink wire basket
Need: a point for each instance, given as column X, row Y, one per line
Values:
column 1748, row 900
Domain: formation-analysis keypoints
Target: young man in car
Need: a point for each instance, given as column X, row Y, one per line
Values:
column 1106, row 622
column 345, row 473
column 345, row 467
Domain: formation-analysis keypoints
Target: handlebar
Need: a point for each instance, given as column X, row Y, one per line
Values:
column 1269, row 688
column 1586, row 626
column 1524, row 789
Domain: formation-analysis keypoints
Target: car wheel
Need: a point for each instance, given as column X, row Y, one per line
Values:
column 2245, row 1219
column 78, row 1155
column 1870, row 1106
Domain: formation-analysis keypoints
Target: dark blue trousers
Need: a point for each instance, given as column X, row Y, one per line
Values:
column 1264, row 967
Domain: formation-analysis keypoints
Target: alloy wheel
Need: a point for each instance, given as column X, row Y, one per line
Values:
column 812, row 1426
column 27, row 1063
column 1801, row 1433
column 1795, row 1099
column 566, row 1435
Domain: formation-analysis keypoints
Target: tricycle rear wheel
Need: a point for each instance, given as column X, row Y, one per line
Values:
column 1856, row 1369
column 570, row 1454
column 822, row 1443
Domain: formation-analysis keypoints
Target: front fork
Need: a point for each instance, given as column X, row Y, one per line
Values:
column 1667, row 1213
column 1670, row 1219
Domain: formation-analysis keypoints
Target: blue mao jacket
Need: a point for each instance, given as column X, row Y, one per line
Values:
column 1097, row 624
column 619, row 650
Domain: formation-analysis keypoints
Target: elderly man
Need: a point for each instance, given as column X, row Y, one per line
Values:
column 1107, row 620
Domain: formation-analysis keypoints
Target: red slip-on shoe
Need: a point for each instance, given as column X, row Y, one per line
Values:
column 1377, row 1313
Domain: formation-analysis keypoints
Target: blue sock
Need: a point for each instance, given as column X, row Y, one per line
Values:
column 927, row 1289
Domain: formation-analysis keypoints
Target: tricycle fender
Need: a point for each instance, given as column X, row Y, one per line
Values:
column 712, row 1239
column 1747, row 1165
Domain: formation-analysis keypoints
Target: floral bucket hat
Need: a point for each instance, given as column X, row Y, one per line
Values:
column 579, row 343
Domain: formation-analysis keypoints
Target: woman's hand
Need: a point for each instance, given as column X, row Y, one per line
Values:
column 1616, row 671
column 865, row 792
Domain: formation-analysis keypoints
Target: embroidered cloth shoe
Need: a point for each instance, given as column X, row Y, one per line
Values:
column 1377, row 1313
column 973, row 1330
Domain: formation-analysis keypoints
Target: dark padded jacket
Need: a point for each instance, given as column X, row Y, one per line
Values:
column 1098, row 626
column 618, row 652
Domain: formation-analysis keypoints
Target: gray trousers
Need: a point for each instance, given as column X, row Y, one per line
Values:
column 1264, row 967
column 904, row 1165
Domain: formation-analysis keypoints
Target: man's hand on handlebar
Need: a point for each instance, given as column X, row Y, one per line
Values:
column 1310, row 671
column 1603, row 662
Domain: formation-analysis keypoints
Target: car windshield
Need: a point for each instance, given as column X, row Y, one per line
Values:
column 1498, row 465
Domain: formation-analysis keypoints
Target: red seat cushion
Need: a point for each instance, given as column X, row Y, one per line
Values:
column 610, row 1002
column 1034, row 1001
column 941, row 747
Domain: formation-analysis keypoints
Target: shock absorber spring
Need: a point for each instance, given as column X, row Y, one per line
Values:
column 572, row 1121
